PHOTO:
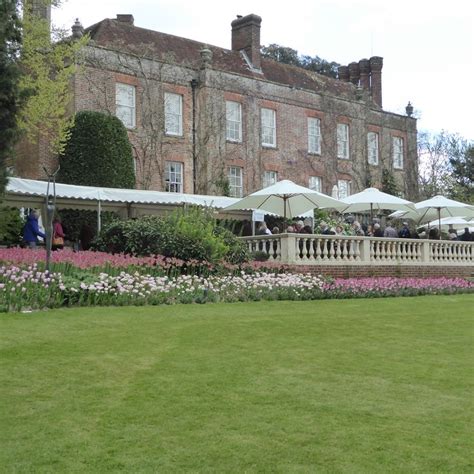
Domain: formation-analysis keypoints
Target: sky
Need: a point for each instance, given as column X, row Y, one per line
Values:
column 427, row 45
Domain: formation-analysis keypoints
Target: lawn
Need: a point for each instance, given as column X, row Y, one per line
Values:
column 363, row 385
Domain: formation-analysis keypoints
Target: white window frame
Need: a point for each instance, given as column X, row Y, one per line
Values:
column 315, row 183
column 373, row 148
column 125, row 110
column 233, row 121
column 397, row 152
column 268, row 124
column 343, row 188
column 269, row 178
column 314, row 135
column 174, row 177
column 343, row 141
column 234, row 175
column 173, row 114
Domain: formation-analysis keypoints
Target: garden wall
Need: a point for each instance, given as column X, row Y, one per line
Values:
column 361, row 271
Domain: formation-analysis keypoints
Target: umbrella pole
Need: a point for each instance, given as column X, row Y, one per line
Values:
column 439, row 222
column 371, row 213
column 284, row 212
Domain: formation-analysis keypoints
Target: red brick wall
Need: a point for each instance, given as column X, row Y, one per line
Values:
column 384, row 271
column 95, row 90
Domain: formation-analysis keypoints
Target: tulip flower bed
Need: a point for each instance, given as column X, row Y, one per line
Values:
column 30, row 287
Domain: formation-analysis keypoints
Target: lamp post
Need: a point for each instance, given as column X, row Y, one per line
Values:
column 50, row 209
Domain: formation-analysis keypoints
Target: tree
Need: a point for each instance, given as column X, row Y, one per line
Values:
column 463, row 174
column 10, row 43
column 47, row 68
column 445, row 165
column 282, row 54
column 389, row 185
column 98, row 153
column 286, row 55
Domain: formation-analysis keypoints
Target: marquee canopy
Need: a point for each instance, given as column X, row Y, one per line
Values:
column 131, row 202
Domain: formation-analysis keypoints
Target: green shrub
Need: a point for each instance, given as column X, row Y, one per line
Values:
column 237, row 252
column 186, row 234
column 98, row 153
column 11, row 226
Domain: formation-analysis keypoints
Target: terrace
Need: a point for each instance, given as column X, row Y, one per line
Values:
column 363, row 252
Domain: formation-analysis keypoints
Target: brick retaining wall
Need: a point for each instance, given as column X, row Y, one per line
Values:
column 385, row 271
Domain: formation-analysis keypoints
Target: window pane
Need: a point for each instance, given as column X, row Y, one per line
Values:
column 373, row 148
column 269, row 178
column 315, row 183
column 174, row 177
column 343, row 188
column 234, row 122
column 342, row 140
column 268, row 127
column 125, row 104
column 235, row 181
column 397, row 152
column 314, row 135
column 173, row 114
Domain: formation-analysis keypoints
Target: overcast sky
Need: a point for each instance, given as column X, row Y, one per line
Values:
column 427, row 45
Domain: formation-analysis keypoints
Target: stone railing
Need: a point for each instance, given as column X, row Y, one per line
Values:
column 314, row 249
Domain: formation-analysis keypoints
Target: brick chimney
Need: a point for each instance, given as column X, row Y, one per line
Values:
column 126, row 18
column 354, row 73
column 343, row 73
column 246, row 37
column 376, row 63
column 364, row 69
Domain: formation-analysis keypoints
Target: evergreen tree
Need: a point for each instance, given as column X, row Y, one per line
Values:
column 98, row 153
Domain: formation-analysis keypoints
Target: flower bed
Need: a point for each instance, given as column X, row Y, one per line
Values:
column 66, row 261
column 31, row 288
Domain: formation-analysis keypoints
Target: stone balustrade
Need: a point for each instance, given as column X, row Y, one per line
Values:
column 314, row 249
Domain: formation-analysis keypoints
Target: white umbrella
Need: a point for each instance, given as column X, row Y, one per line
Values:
column 451, row 222
column 286, row 199
column 436, row 208
column 371, row 199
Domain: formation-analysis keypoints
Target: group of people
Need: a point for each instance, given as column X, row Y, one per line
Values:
column 371, row 230
column 31, row 232
column 299, row 227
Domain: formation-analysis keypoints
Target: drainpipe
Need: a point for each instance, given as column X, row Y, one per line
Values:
column 194, row 84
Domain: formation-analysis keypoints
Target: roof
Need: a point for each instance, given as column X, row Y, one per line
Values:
column 117, row 35
column 19, row 192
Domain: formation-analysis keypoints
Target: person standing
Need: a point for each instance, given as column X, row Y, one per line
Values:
column 58, row 234
column 390, row 232
column 31, row 230
column 378, row 232
column 466, row 236
column 404, row 232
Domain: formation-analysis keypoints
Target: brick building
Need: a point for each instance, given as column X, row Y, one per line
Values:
column 209, row 120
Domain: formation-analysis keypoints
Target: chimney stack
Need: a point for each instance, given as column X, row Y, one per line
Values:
column 246, row 37
column 343, row 73
column 376, row 63
column 354, row 73
column 364, row 69
column 126, row 18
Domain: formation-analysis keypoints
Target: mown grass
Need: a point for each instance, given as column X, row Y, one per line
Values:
column 331, row 386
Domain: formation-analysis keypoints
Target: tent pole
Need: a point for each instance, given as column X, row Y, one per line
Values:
column 99, row 221
column 439, row 222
